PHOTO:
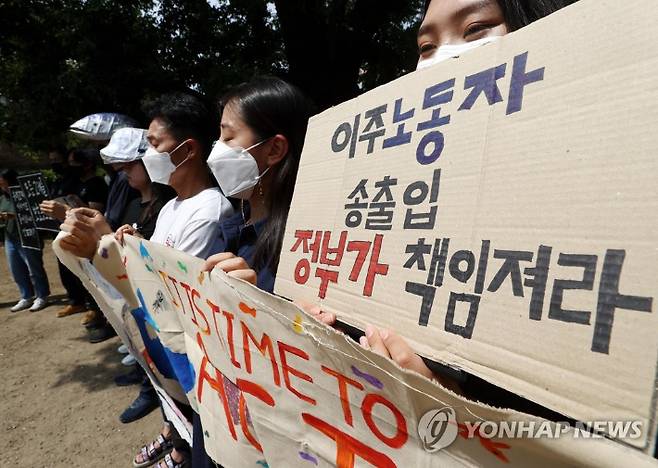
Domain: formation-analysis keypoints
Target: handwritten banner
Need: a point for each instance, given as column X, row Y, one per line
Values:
column 498, row 210
column 275, row 388
column 27, row 229
column 122, row 309
column 36, row 191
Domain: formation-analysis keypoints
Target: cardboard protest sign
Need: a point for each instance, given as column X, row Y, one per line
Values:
column 165, row 279
column 122, row 309
column 36, row 191
column 499, row 211
column 275, row 388
column 27, row 229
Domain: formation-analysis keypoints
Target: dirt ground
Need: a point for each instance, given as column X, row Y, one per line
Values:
column 59, row 406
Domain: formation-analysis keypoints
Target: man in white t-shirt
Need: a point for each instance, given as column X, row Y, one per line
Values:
column 191, row 224
column 180, row 138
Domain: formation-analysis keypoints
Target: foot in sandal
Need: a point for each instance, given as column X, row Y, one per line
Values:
column 151, row 453
column 175, row 459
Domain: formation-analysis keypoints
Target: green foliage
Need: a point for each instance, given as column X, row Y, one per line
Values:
column 63, row 59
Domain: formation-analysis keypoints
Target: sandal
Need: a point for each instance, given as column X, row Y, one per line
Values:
column 151, row 454
column 169, row 462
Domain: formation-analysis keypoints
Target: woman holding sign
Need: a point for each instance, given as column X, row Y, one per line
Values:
column 449, row 29
column 25, row 264
column 255, row 160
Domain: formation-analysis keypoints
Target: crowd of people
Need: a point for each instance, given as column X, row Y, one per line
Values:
column 216, row 184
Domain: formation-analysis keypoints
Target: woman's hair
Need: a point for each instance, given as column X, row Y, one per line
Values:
column 520, row 13
column 10, row 176
column 270, row 106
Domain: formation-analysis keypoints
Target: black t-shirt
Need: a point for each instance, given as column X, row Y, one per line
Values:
column 118, row 199
column 93, row 190
column 144, row 217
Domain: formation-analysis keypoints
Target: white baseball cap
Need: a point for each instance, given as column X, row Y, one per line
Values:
column 126, row 145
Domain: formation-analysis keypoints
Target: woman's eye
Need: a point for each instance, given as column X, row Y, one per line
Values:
column 473, row 29
column 426, row 48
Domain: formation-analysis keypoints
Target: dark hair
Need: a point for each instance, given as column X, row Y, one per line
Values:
column 10, row 176
column 520, row 13
column 270, row 106
column 186, row 115
column 86, row 156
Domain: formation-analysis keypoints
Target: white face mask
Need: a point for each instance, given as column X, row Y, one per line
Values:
column 235, row 169
column 452, row 50
column 159, row 166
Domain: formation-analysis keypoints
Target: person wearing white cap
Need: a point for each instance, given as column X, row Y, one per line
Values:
column 126, row 149
column 124, row 152
column 124, row 146
column 119, row 196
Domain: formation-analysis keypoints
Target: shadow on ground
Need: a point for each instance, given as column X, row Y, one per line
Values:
column 99, row 373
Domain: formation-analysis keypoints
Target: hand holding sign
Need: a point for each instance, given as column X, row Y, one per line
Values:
column 123, row 230
column 54, row 209
column 85, row 227
column 383, row 342
column 393, row 346
column 316, row 312
column 232, row 265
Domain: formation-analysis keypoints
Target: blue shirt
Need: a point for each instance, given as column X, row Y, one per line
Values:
column 240, row 239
